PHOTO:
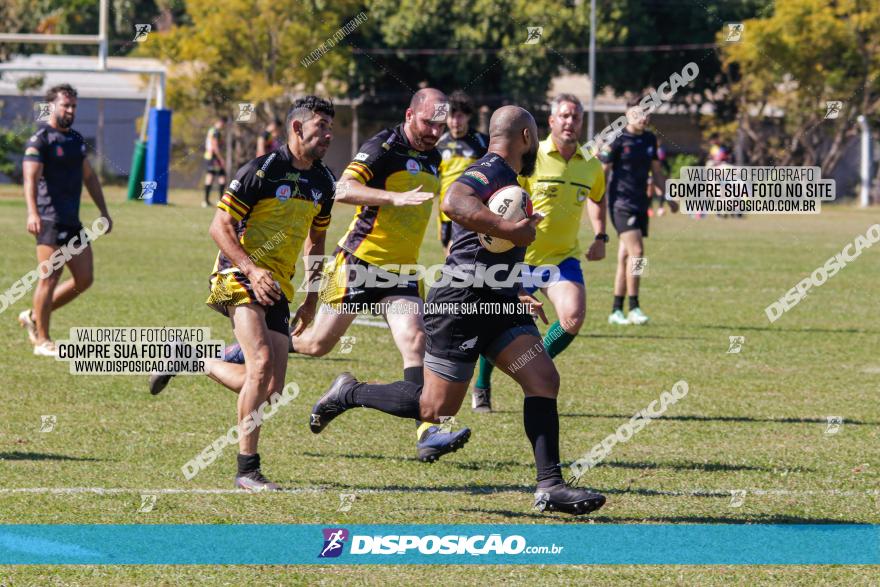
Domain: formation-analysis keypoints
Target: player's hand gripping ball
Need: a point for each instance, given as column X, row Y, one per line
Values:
column 511, row 203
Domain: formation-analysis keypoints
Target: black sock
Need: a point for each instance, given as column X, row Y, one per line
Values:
column 618, row 304
column 248, row 464
column 541, row 421
column 400, row 398
column 633, row 302
column 414, row 375
column 208, row 193
column 222, row 187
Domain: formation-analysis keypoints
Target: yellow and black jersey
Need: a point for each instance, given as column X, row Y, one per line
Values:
column 456, row 156
column 276, row 205
column 391, row 234
column 213, row 133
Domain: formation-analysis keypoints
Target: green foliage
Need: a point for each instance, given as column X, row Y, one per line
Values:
column 679, row 160
column 12, row 141
column 790, row 64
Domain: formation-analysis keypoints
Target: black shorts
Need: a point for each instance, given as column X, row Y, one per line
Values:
column 354, row 282
column 456, row 335
column 234, row 289
column 57, row 235
column 214, row 167
column 625, row 220
column 445, row 232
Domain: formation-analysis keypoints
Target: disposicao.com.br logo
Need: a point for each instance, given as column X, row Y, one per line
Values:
column 432, row 544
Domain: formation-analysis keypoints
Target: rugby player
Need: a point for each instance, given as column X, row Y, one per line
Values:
column 270, row 139
column 55, row 167
column 214, row 159
column 277, row 205
column 564, row 180
column 456, row 339
column 459, row 147
column 392, row 180
column 629, row 158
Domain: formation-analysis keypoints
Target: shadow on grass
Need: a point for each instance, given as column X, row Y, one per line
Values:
column 779, row 329
column 746, row 519
column 708, row 418
column 688, row 466
column 491, row 465
column 40, row 456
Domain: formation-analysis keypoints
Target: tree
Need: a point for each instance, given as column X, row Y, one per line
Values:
column 790, row 64
column 251, row 51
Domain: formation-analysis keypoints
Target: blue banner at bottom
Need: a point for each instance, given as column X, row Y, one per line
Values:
column 592, row 544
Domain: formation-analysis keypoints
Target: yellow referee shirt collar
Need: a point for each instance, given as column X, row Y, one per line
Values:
column 548, row 146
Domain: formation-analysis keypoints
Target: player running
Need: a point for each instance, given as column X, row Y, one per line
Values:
column 630, row 158
column 55, row 167
column 456, row 340
column 214, row 159
column 564, row 180
column 276, row 203
column 459, row 147
column 393, row 180
column 270, row 139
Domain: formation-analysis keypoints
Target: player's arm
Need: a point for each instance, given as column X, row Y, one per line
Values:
column 350, row 190
column 215, row 149
column 313, row 252
column 93, row 185
column 597, row 211
column 463, row 205
column 32, row 171
column 658, row 178
column 236, row 203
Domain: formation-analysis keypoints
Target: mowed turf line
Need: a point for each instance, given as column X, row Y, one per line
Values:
column 751, row 421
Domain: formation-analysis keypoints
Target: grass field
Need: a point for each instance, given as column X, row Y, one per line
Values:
column 753, row 421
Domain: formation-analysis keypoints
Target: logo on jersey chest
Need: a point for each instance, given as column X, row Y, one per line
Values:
column 283, row 192
column 59, row 151
column 413, row 166
column 316, row 197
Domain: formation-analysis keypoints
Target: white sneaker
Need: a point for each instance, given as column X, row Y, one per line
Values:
column 27, row 322
column 636, row 316
column 617, row 317
column 46, row 349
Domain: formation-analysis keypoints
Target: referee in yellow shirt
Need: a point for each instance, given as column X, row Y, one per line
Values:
column 563, row 183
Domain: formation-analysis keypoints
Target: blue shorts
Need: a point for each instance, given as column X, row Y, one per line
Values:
column 569, row 270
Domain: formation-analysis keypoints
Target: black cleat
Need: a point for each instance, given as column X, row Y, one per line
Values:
column 158, row 382
column 435, row 443
column 481, row 400
column 331, row 404
column 569, row 500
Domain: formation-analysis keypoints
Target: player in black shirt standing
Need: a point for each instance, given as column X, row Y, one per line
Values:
column 455, row 340
column 630, row 157
column 55, row 168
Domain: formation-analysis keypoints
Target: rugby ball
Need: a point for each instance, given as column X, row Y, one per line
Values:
column 513, row 204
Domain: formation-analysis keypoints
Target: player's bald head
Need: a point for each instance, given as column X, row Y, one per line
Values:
column 513, row 134
column 508, row 122
column 427, row 97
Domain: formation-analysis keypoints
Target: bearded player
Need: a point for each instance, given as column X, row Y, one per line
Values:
column 456, row 340
column 564, row 183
